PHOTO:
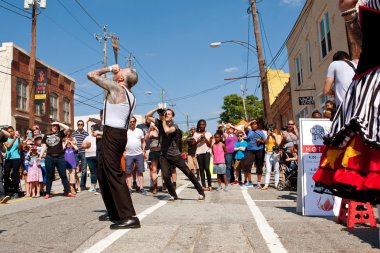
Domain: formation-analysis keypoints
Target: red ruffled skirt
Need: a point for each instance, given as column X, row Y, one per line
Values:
column 352, row 172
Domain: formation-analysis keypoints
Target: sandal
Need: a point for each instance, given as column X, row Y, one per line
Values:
column 265, row 188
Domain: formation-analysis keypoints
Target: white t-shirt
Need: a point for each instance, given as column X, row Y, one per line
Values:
column 342, row 73
column 133, row 146
column 90, row 152
column 202, row 147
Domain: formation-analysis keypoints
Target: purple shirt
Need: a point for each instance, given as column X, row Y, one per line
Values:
column 230, row 143
column 70, row 158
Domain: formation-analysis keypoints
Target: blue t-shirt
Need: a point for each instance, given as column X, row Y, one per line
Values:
column 252, row 138
column 240, row 154
column 13, row 152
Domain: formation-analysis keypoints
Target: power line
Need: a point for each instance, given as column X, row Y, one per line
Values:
column 76, row 100
column 15, row 12
column 88, row 14
column 15, row 6
column 84, row 68
column 68, row 11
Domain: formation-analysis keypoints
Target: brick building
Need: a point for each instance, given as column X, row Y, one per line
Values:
column 14, row 91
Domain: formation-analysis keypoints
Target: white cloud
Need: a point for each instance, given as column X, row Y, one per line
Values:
column 292, row 2
column 232, row 69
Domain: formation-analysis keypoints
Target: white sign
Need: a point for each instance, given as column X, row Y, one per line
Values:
column 311, row 147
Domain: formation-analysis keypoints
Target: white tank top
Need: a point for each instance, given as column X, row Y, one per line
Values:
column 118, row 115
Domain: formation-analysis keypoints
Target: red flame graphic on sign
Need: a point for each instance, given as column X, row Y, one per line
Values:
column 325, row 204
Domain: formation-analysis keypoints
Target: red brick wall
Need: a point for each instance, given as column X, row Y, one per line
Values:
column 57, row 83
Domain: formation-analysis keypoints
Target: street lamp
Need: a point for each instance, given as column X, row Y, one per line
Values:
column 239, row 42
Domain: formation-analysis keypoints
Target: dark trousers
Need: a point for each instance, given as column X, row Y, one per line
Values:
column 81, row 157
column 114, row 189
column 50, row 164
column 2, row 192
column 92, row 164
column 168, row 160
column 257, row 157
column 229, row 168
column 204, row 166
column 12, row 176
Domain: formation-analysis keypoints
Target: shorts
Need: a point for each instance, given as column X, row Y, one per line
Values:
column 219, row 169
column 154, row 155
column 192, row 162
column 138, row 160
column 239, row 164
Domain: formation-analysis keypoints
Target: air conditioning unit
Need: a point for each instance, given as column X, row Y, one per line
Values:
column 43, row 4
column 28, row 3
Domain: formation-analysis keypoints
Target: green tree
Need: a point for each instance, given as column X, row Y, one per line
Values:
column 233, row 110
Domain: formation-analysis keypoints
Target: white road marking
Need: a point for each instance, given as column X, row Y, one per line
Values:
column 110, row 239
column 274, row 200
column 271, row 238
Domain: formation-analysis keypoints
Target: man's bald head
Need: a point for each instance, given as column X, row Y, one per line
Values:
column 127, row 76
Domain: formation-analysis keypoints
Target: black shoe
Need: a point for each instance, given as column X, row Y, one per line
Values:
column 4, row 200
column 105, row 217
column 134, row 186
column 201, row 196
column 130, row 222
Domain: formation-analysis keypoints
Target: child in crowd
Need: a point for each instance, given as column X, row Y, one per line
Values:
column 239, row 148
column 219, row 151
column 70, row 147
column 292, row 159
column 34, row 172
column 37, row 143
column 25, row 166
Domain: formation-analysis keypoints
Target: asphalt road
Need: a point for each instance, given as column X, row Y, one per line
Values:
column 240, row 220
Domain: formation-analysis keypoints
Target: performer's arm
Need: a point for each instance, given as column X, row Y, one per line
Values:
column 151, row 113
column 168, row 129
column 96, row 77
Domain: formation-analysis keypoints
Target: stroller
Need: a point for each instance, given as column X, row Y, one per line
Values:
column 288, row 172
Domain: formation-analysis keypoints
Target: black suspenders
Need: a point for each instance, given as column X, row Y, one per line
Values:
column 130, row 108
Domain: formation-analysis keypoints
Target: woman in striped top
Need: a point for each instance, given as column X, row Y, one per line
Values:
column 350, row 165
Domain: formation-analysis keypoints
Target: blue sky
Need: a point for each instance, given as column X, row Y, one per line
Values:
column 170, row 40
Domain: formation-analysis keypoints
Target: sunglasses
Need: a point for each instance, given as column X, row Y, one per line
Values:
column 133, row 121
column 240, row 136
column 290, row 124
column 80, row 124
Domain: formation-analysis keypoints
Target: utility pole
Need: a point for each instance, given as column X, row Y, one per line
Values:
column 187, row 122
column 264, row 80
column 32, row 59
column 243, row 96
column 99, row 38
column 162, row 97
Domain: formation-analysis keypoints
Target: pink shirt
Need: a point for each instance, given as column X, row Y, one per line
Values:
column 230, row 143
column 218, row 153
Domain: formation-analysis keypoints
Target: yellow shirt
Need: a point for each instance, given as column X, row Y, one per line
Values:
column 271, row 143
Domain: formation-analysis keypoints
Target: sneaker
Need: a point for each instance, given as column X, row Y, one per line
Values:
column 4, row 200
column 70, row 195
column 235, row 182
column 173, row 198
column 97, row 193
column 47, row 196
column 78, row 191
column 258, row 186
column 143, row 191
column 226, row 188
column 202, row 196
column 248, row 185
column 91, row 190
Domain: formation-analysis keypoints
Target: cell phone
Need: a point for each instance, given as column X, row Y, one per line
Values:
column 17, row 133
column 30, row 135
